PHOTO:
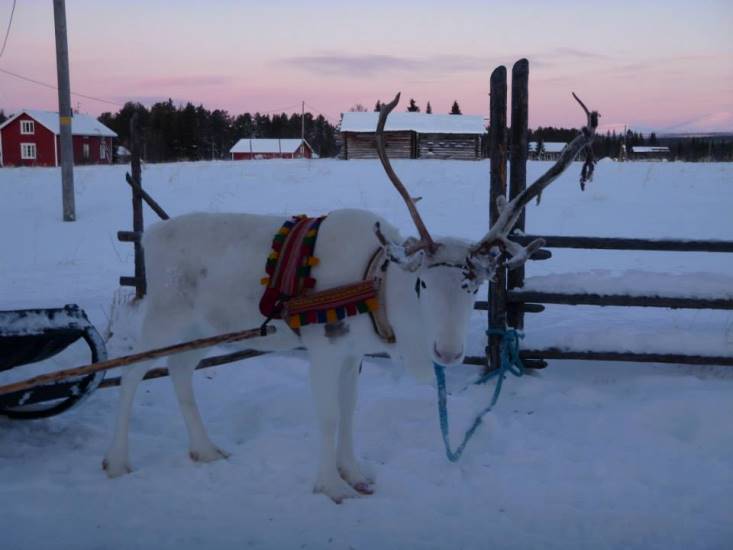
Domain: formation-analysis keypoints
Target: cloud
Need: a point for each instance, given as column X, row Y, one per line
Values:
column 368, row 65
column 185, row 81
column 577, row 53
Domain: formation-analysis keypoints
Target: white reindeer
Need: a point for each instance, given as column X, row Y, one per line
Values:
column 204, row 274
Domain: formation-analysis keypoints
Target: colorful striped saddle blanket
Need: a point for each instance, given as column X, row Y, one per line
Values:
column 289, row 293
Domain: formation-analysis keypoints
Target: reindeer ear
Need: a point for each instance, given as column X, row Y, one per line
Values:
column 397, row 253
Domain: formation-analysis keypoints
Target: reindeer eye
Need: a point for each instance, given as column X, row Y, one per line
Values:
column 419, row 283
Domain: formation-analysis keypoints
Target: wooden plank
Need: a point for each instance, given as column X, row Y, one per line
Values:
column 203, row 364
column 518, row 166
column 618, row 300
column 137, row 207
column 616, row 243
column 129, row 236
column 247, row 354
column 151, row 202
column 675, row 358
column 129, row 281
column 43, row 379
column 498, row 154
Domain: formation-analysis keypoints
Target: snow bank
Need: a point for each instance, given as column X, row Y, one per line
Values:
column 580, row 456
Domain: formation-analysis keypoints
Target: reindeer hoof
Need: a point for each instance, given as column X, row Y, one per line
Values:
column 115, row 469
column 353, row 476
column 336, row 490
column 208, row 455
column 364, row 488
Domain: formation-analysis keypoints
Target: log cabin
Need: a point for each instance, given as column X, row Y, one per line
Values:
column 413, row 136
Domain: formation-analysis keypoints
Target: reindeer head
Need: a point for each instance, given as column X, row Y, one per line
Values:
column 448, row 273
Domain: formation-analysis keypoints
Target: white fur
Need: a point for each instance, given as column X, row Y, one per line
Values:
column 204, row 274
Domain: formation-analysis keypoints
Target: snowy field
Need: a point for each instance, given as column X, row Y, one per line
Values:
column 581, row 455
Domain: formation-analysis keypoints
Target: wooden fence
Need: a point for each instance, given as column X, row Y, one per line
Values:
column 508, row 303
column 138, row 196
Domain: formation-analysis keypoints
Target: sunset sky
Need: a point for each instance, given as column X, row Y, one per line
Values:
column 652, row 65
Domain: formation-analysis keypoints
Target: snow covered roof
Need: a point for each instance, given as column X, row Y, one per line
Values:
column 548, row 146
column 422, row 123
column 649, row 149
column 262, row 145
column 81, row 124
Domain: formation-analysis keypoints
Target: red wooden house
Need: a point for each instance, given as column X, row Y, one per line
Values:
column 256, row 148
column 31, row 138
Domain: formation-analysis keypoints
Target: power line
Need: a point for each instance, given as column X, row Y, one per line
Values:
column 52, row 87
column 327, row 117
column 7, row 32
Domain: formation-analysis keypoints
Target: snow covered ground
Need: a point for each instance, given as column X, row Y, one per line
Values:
column 582, row 455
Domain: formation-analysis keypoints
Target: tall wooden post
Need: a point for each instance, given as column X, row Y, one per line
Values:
column 518, row 168
column 498, row 154
column 137, row 208
column 65, row 114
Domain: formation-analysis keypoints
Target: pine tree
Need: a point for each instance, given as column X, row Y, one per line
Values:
column 455, row 109
column 412, row 107
column 429, row 109
column 378, row 106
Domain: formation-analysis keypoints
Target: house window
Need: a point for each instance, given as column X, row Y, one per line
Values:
column 85, row 151
column 102, row 151
column 27, row 127
column 28, row 151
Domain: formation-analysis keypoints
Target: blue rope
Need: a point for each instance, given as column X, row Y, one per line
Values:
column 509, row 363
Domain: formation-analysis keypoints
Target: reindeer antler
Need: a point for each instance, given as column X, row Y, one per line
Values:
column 509, row 212
column 426, row 241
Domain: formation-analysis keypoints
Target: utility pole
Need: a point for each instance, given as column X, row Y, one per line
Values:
column 302, row 121
column 64, row 86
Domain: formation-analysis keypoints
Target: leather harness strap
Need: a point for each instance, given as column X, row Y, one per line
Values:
column 376, row 271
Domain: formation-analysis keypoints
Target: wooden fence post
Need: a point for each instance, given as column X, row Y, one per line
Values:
column 138, row 196
column 137, row 209
column 518, row 169
column 498, row 154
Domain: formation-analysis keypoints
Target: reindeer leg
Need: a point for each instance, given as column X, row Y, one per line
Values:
column 348, row 466
column 117, row 459
column 324, row 377
column 181, row 368
column 156, row 330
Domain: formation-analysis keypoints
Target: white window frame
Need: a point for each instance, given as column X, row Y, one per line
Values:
column 28, row 151
column 86, row 151
column 102, row 151
column 27, row 127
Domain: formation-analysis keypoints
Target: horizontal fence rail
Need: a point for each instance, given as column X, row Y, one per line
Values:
column 615, row 243
column 678, row 358
column 523, row 296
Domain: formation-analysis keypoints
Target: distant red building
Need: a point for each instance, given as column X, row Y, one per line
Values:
column 255, row 148
column 31, row 138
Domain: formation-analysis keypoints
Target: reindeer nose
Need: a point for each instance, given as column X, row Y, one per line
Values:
column 447, row 357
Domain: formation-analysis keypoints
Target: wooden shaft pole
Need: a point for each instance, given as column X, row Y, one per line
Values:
column 134, row 358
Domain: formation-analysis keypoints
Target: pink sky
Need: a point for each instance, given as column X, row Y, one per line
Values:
column 654, row 65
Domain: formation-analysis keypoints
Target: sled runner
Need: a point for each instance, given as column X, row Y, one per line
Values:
column 32, row 335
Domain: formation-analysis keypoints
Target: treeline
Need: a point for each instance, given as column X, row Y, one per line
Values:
column 689, row 149
column 187, row 132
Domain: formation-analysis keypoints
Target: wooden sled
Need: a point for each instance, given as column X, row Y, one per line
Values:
column 32, row 335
